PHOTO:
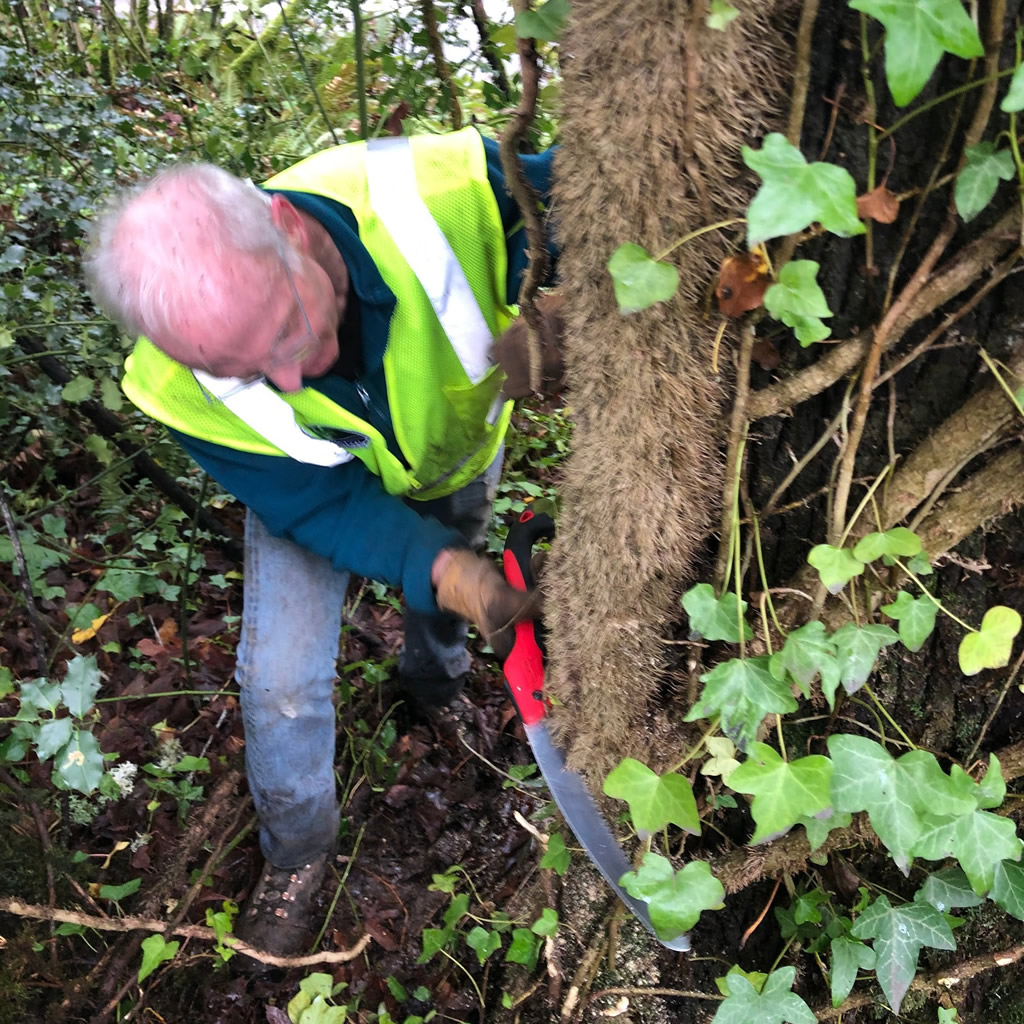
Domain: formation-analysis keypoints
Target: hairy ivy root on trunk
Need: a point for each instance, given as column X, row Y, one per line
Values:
column 644, row 479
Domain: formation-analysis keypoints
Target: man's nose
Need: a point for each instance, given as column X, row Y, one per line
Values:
column 287, row 378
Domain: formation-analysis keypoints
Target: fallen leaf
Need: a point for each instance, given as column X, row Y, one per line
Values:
column 765, row 354
column 742, row 281
column 878, row 204
column 81, row 635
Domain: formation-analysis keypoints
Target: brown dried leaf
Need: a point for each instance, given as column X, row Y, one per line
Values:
column 765, row 354
column 878, row 204
column 742, row 281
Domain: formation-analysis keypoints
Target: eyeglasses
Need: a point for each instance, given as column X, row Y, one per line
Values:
column 299, row 349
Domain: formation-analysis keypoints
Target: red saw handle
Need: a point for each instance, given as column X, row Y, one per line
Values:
column 524, row 667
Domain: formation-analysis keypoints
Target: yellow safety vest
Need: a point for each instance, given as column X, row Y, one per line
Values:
column 429, row 220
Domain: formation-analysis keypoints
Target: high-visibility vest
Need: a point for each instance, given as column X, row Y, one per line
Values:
column 429, row 220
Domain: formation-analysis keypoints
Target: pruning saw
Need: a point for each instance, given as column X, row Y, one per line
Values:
column 524, row 672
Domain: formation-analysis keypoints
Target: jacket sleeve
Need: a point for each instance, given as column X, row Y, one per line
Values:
column 342, row 513
column 538, row 170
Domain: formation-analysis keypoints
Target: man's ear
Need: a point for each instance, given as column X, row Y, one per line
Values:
column 289, row 220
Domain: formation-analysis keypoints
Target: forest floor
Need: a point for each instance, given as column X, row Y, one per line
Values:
column 443, row 836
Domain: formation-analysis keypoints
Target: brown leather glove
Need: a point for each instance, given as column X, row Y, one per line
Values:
column 470, row 586
column 512, row 351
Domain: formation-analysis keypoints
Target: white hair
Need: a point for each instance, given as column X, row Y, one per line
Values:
column 152, row 244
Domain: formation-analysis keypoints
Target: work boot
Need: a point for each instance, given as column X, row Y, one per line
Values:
column 278, row 916
column 429, row 695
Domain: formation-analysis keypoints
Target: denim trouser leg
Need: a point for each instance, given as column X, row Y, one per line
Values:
column 435, row 645
column 287, row 665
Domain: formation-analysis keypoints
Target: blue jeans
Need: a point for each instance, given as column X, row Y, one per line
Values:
column 291, row 625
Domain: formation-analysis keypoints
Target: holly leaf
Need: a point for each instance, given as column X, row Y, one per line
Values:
column 1008, row 888
column 857, row 650
column 53, row 735
column 979, row 178
column 916, row 616
column 78, row 389
column 947, row 889
column 546, row 22
column 798, row 301
column 716, row 618
column 742, row 692
column 836, row 566
column 79, row 764
column 917, row 33
column 676, row 899
column 848, row 956
column 720, row 15
column 482, row 942
column 774, row 1004
column 1014, row 98
column 783, row 792
column 654, row 800
column 807, row 652
column 990, row 647
column 110, row 394
column 639, row 281
column 899, row 542
column 81, row 684
column 796, row 194
column 899, row 933
column 155, row 950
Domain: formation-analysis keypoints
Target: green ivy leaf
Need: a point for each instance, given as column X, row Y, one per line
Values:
column 947, row 1015
column 756, row 978
column 899, row 542
column 818, row 828
column 807, row 652
column 990, row 647
column 722, row 761
column 783, row 792
column 482, row 942
column 639, row 281
column 917, row 33
column 654, row 800
column 457, row 910
column 434, row 940
column 81, row 684
column 524, row 948
column 774, row 1004
column 547, row 924
column 836, row 566
column 979, row 841
column 979, row 178
column 556, row 856
column 546, row 22
column 78, row 389
column 796, row 194
column 1014, row 98
column 916, row 616
column 848, row 956
column 79, row 764
column 897, row 794
column 720, row 15
column 716, row 618
column 798, row 301
column 119, row 892
column 676, row 898
column 947, row 889
column 857, row 650
column 991, row 791
column 899, row 933
column 742, row 692
column 1008, row 888
column 155, row 950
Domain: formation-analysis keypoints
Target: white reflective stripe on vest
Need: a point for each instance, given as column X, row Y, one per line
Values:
column 395, row 198
column 260, row 407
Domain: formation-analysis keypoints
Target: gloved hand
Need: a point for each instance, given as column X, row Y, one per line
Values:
column 512, row 351
column 470, row 586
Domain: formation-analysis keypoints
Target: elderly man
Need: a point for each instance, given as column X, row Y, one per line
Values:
column 322, row 347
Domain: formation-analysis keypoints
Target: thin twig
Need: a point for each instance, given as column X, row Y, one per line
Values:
column 444, row 72
column 1010, row 680
column 26, row 583
column 305, row 70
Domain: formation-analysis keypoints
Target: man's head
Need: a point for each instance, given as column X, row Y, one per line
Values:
column 219, row 275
